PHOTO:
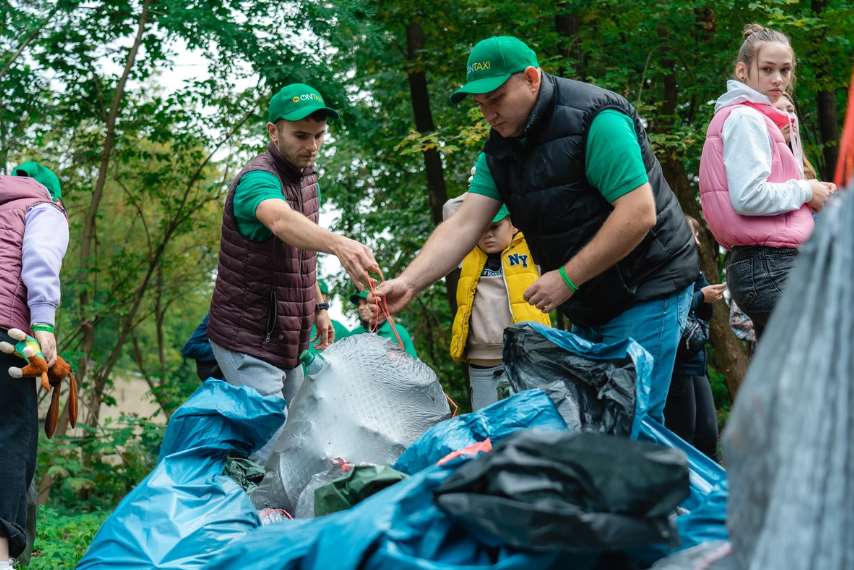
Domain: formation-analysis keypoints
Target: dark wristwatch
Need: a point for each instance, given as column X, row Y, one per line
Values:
column 321, row 307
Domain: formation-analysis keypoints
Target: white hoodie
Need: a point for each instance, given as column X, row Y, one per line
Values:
column 747, row 159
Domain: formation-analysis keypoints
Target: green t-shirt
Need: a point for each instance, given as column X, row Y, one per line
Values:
column 385, row 332
column 613, row 163
column 255, row 187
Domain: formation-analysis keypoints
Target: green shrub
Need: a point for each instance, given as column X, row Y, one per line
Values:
column 93, row 471
column 62, row 538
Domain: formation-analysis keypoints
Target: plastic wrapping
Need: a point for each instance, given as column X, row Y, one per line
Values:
column 363, row 400
column 496, row 422
column 596, row 387
column 569, row 491
column 186, row 510
column 788, row 441
column 305, row 502
column 399, row 528
column 354, row 487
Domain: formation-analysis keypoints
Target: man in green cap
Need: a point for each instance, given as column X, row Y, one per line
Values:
column 266, row 296
column 575, row 168
column 360, row 299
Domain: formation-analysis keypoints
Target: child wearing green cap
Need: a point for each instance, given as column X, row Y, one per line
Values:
column 493, row 278
column 360, row 299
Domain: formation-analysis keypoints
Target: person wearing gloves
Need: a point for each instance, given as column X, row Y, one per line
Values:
column 752, row 190
column 33, row 242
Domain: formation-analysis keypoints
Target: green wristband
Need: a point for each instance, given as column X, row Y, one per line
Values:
column 569, row 284
column 43, row 328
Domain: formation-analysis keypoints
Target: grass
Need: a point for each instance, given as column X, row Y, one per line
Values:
column 62, row 538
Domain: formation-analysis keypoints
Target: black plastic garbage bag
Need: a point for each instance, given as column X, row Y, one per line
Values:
column 571, row 491
column 593, row 386
column 788, row 443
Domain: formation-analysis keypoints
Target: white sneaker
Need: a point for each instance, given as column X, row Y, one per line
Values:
column 7, row 564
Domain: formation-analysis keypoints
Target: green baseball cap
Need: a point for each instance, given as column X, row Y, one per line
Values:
column 297, row 101
column 363, row 294
column 503, row 212
column 43, row 175
column 491, row 62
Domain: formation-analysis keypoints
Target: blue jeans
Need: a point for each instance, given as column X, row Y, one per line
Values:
column 657, row 326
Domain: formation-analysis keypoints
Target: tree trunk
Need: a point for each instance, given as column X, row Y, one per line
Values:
column 436, row 190
column 730, row 356
column 89, row 226
column 828, row 127
column 568, row 24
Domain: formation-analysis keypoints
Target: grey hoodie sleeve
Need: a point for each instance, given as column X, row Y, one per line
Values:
column 747, row 159
column 45, row 242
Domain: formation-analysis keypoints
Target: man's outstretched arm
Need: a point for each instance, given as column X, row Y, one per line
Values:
column 295, row 229
column 445, row 249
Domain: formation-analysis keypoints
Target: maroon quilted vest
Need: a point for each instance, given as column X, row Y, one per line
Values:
column 263, row 301
column 17, row 195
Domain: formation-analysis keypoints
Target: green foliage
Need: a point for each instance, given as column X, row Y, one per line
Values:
column 95, row 470
column 63, row 537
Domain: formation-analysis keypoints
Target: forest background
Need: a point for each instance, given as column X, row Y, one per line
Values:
column 147, row 108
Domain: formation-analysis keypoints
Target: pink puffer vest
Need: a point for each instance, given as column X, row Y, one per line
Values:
column 17, row 195
column 731, row 229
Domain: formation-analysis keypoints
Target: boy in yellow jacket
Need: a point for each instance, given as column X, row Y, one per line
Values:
column 493, row 278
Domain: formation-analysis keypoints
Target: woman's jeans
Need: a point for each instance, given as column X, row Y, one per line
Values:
column 756, row 277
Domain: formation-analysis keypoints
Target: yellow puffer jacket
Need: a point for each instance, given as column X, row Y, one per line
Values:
column 519, row 273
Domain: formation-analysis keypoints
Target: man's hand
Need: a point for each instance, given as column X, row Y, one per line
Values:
column 713, row 293
column 357, row 259
column 397, row 292
column 325, row 330
column 548, row 292
column 47, row 341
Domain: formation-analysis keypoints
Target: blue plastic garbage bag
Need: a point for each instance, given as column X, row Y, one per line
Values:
column 528, row 409
column 705, row 516
column 595, row 386
column 399, row 528
column 185, row 511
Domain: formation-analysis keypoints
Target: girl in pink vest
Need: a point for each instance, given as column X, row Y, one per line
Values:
column 752, row 189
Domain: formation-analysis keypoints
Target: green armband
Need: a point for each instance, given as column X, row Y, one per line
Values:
column 569, row 283
column 42, row 327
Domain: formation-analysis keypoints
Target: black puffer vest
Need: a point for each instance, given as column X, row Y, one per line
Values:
column 541, row 178
column 263, row 302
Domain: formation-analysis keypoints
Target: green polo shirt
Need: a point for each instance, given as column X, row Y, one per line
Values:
column 386, row 332
column 613, row 161
column 254, row 187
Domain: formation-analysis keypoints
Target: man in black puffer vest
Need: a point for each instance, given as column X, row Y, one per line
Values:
column 573, row 164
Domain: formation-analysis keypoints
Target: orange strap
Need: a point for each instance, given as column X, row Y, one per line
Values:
column 383, row 308
column 845, row 161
